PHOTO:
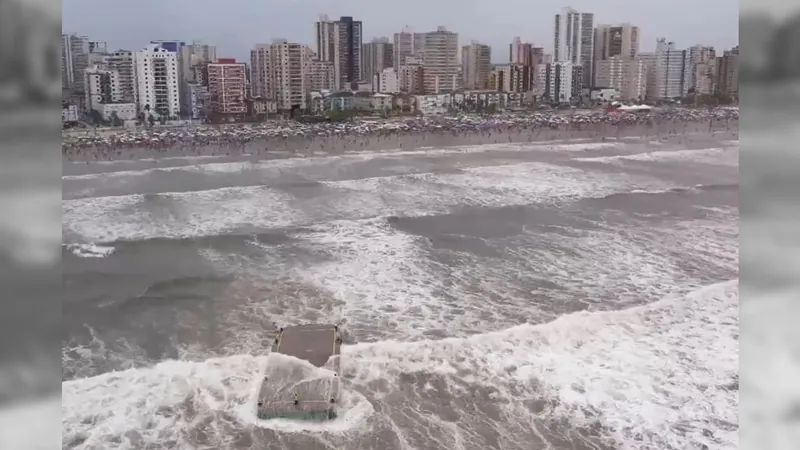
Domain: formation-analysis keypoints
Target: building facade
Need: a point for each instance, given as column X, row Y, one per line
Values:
column 476, row 65
column 74, row 61
column 226, row 87
column 280, row 73
column 562, row 82
column 402, row 47
column 439, row 52
column 669, row 72
column 157, row 81
column 375, row 57
column 347, row 52
column 573, row 41
column 627, row 76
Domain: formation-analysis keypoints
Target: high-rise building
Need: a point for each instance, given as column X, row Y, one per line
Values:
column 326, row 41
column 616, row 40
column 628, row 76
column 157, row 81
column 476, row 65
column 574, row 41
column 123, row 62
column 194, row 59
column 669, row 71
column 512, row 78
column 699, row 55
column 387, row 82
column 439, row 51
column 74, row 61
column 101, row 85
column 403, row 47
column 561, row 81
column 320, row 76
column 347, row 52
column 376, row 56
column 728, row 72
column 279, row 72
column 226, row 87
column 410, row 78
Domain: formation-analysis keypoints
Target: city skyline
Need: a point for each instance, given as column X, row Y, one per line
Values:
column 714, row 24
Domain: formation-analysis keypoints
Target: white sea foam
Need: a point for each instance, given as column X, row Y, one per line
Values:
column 178, row 215
column 724, row 155
column 212, row 212
column 657, row 376
column 199, row 165
column 90, row 250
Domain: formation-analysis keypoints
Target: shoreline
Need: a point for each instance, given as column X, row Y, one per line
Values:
column 272, row 148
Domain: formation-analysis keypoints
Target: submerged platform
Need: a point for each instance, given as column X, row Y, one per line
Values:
column 303, row 391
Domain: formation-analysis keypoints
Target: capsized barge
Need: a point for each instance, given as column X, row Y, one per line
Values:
column 294, row 392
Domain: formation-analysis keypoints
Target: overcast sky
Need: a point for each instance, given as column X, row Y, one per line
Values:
column 235, row 25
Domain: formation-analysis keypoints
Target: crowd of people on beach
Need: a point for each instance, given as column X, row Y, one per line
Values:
column 304, row 138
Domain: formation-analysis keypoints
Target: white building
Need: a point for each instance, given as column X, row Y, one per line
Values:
column 669, row 71
column 197, row 100
column 124, row 111
column 574, row 41
column 627, row 76
column 325, row 30
column 387, row 82
column 157, row 81
column 562, row 81
column 101, row 86
column 69, row 113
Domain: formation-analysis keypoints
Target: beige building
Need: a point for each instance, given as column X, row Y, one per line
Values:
column 123, row 62
column 410, row 78
column 728, row 72
column 226, row 87
column 614, row 41
column 279, row 73
column 376, row 56
column 627, row 76
column 439, row 52
column 402, row 47
column 476, row 65
column 320, row 75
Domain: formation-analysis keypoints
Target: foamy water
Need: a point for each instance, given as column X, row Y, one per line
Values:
column 507, row 304
column 659, row 376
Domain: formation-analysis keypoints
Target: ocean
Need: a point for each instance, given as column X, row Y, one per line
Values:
column 559, row 295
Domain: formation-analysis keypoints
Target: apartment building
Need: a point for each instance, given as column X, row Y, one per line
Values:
column 376, row 56
column 561, row 81
column 321, row 76
column 123, row 62
column 512, row 78
column 387, row 82
column 325, row 30
column 625, row 75
column 439, row 52
column 573, row 41
column 728, row 72
column 226, row 87
column 347, row 52
column 101, row 85
column 157, row 81
column 280, row 73
column 669, row 71
column 476, row 65
column 74, row 61
column 403, row 47
column 410, row 78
